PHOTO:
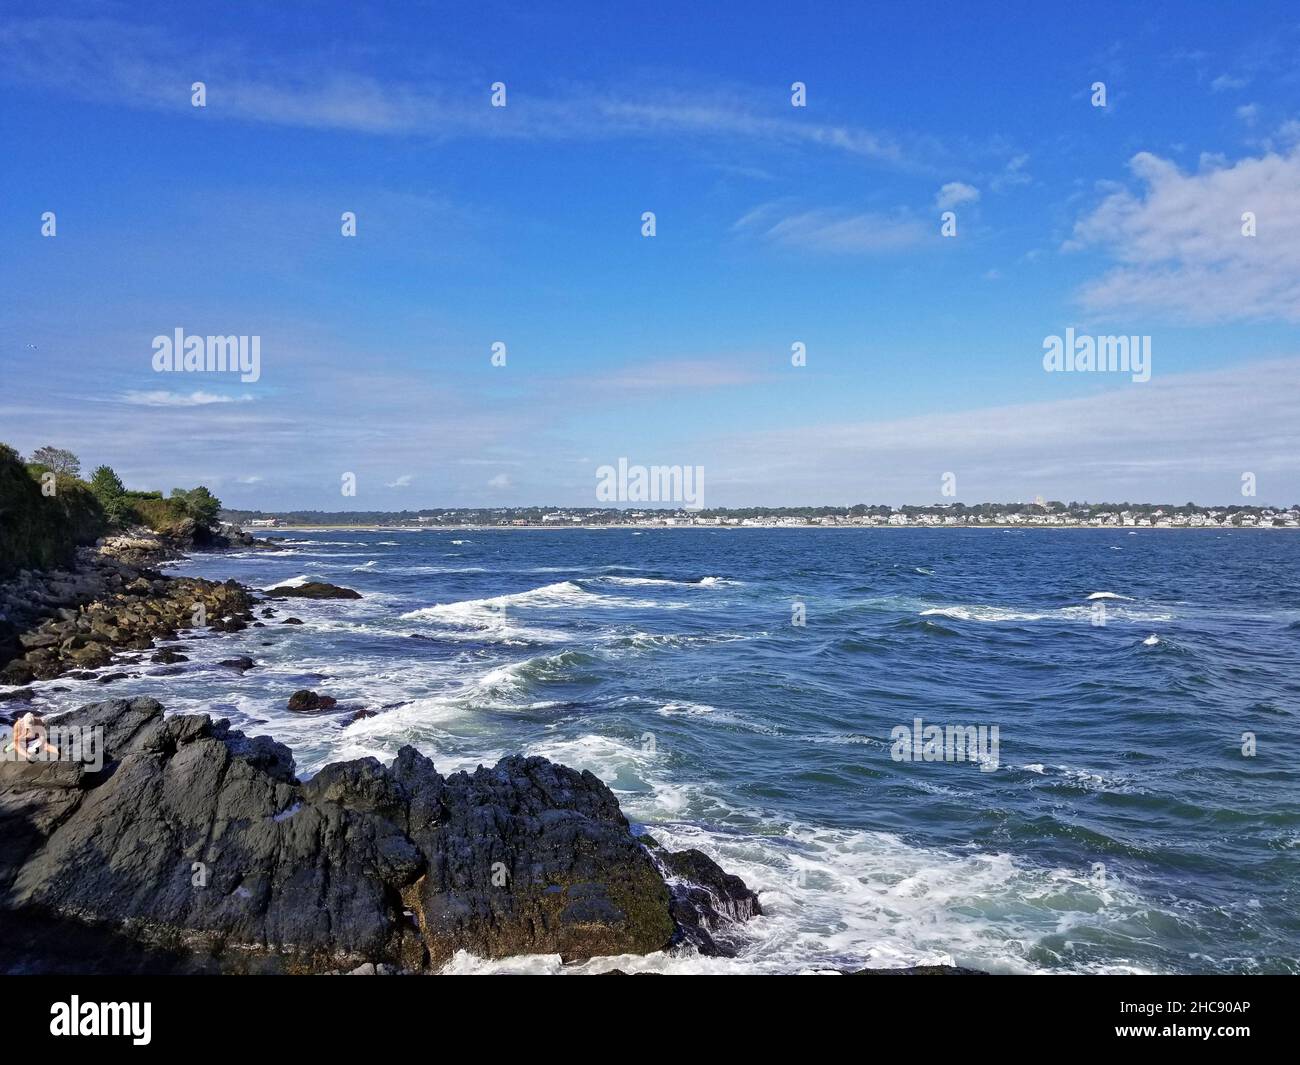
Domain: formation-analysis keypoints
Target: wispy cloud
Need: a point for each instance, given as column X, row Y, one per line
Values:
column 133, row 65
column 404, row 481
column 163, row 398
column 1226, row 82
column 1177, row 437
column 833, row 231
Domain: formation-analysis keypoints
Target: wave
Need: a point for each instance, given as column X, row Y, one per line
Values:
column 989, row 613
column 650, row 641
column 1109, row 595
column 1087, row 779
column 562, row 593
column 699, row 582
column 292, row 582
column 566, row 667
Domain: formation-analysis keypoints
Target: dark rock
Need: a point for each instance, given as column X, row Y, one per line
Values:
column 304, row 701
column 197, row 848
column 291, row 621
column 168, row 657
column 312, row 590
column 108, row 678
column 528, row 857
column 705, row 899
column 18, row 695
column 17, row 672
column 242, row 663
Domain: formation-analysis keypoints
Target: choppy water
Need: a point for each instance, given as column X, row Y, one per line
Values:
column 667, row 663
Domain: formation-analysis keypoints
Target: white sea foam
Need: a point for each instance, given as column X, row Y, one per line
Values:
column 982, row 613
column 835, row 898
column 1109, row 595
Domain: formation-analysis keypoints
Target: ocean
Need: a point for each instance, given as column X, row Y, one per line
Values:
column 1118, row 824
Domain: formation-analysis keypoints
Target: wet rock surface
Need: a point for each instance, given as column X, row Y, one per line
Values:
column 305, row 701
column 195, row 848
column 705, row 899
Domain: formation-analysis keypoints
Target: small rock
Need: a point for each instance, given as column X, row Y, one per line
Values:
column 168, row 657
column 304, row 701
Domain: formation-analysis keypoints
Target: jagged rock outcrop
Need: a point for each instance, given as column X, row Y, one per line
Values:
column 199, row 845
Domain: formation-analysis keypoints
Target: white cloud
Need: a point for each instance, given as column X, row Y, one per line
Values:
column 403, row 481
column 253, row 479
column 1180, row 247
column 501, row 480
column 955, row 193
column 1248, row 113
column 1225, row 82
column 162, row 398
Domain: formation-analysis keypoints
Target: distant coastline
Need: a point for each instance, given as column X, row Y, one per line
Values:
column 772, row 525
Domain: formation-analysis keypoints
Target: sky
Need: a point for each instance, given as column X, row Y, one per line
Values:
column 774, row 225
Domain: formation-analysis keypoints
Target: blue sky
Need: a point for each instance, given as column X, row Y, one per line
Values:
column 775, row 224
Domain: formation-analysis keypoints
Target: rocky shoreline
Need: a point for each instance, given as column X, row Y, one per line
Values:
column 109, row 606
column 195, row 848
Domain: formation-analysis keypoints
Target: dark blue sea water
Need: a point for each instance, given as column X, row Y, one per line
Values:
column 1122, row 829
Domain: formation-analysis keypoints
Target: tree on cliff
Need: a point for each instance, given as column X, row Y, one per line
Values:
column 198, row 503
column 111, row 493
column 58, row 459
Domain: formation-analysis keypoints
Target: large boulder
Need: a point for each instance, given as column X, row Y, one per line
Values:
column 528, row 858
column 198, row 843
column 312, row 590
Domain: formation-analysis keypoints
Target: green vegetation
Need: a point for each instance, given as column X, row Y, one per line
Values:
column 47, row 511
column 44, row 514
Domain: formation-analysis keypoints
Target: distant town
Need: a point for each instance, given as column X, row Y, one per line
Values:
column 995, row 515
